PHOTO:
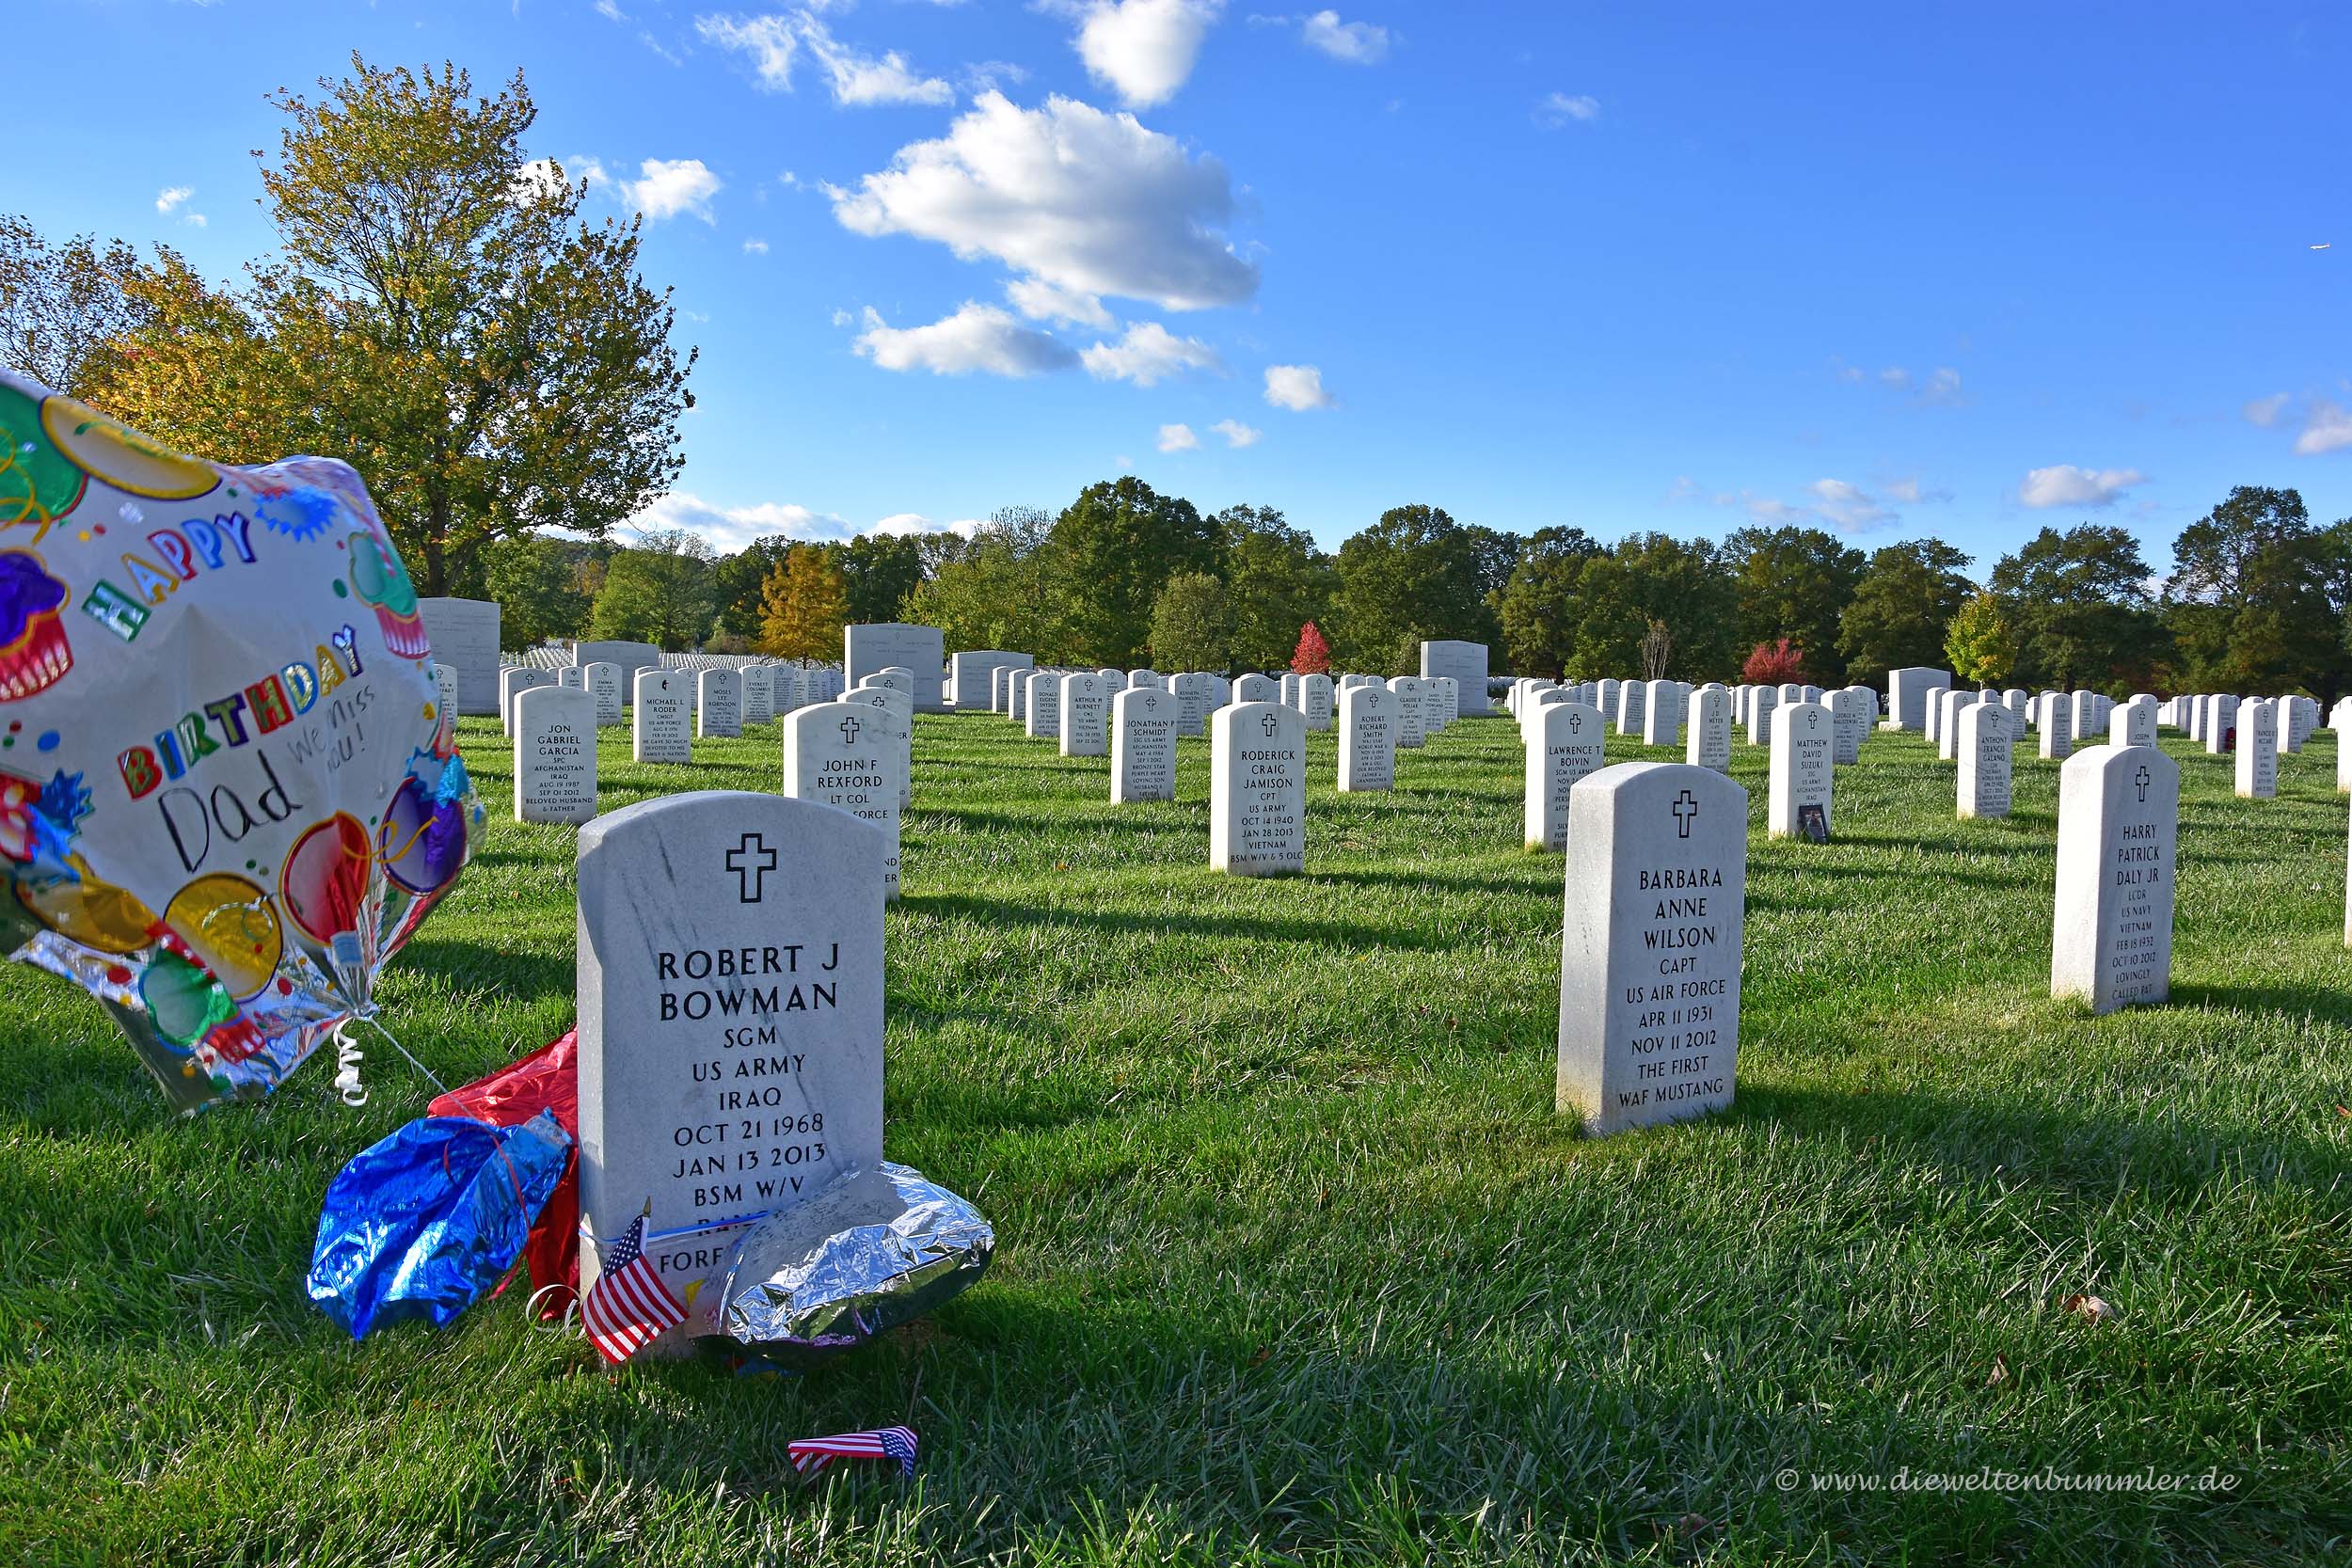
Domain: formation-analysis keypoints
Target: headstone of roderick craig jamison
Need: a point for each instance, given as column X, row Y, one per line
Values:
column 730, row 1053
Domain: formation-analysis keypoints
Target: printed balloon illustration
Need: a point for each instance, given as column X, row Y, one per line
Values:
column 226, row 795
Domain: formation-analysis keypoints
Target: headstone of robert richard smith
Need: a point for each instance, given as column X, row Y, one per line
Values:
column 2119, row 821
column 1258, row 789
column 1650, row 945
column 730, row 1051
column 555, row 755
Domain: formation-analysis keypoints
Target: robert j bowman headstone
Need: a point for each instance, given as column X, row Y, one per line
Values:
column 1563, row 743
column 1467, row 663
column 1804, row 749
column 1986, row 760
column 555, row 755
column 1258, row 789
column 845, row 755
column 730, row 1050
column 659, row 727
column 1710, row 743
column 1367, row 739
column 1143, row 744
column 718, row 704
column 922, row 650
column 1086, row 705
column 2118, row 817
column 1650, row 945
column 465, row 636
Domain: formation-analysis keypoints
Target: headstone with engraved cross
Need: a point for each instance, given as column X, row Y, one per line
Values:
column 1650, row 945
column 1801, row 773
column 760, row 693
column 730, row 1045
column 1367, row 739
column 1086, row 706
column 1986, row 758
column 1143, row 744
column 1563, row 743
column 2119, row 822
column 718, row 704
column 901, row 707
column 1710, row 743
column 1258, row 789
column 847, row 754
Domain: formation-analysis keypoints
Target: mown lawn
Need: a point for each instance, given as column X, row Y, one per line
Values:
column 1297, row 1261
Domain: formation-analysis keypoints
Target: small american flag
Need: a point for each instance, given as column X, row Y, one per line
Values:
column 629, row 1304
column 812, row 1454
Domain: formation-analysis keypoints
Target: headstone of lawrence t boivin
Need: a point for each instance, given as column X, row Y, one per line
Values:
column 2257, row 765
column 465, row 636
column 718, row 704
column 555, row 755
column 1907, row 695
column 1986, row 760
column 659, row 728
column 514, row 678
column 1042, row 712
column 760, row 693
column 1466, row 662
column 730, row 1047
column 1563, row 743
column 1650, row 945
column 1710, row 744
column 1258, row 789
column 1661, row 724
column 845, row 755
column 603, row 682
column 1801, row 772
column 2119, row 817
column 920, row 650
column 1315, row 696
column 1412, row 731
column 1143, row 744
column 1367, row 739
column 1086, row 706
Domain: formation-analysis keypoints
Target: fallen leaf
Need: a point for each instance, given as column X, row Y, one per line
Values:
column 2093, row 1307
column 2000, row 1373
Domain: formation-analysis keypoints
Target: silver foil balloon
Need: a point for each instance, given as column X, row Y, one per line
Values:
column 874, row 1250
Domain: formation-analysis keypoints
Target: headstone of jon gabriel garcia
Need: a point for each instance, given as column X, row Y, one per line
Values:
column 555, row 755
column 730, row 1051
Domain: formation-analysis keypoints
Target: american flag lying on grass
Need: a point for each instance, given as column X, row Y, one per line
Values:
column 810, row 1455
column 628, row 1306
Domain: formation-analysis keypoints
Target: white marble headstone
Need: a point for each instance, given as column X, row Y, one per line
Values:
column 1564, row 742
column 1367, row 739
column 1986, row 760
column 661, row 727
column 718, row 704
column 1258, row 789
column 555, row 755
column 2118, row 817
column 1143, row 744
column 1710, row 743
column 603, row 682
column 1802, row 770
column 1086, row 706
column 845, row 755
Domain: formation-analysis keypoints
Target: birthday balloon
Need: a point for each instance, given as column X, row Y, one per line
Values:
column 228, row 793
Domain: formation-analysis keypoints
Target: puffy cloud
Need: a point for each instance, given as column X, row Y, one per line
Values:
column 728, row 529
column 1237, row 434
column 1042, row 301
column 1912, row 492
column 1355, row 42
column 1559, row 108
column 1145, row 49
column 1090, row 202
column 1847, row 505
column 1147, row 355
column 982, row 338
column 172, row 196
column 1295, row 386
column 1178, row 438
column 860, row 81
column 2327, row 427
column 2266, row 411
column 2064, row 485
column 1838, row 503
column 668, row 186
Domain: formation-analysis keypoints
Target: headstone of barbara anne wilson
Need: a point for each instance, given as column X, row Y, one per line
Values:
column 1143, row 744
column 465, row 636
column 1086, row 708
column 878, row 646
column 555, row 755
column 660, row 729
column 1467, row 663
column 1563, row 743
column 1801, row 773
column 2119, row 822
column 1650, row 945
column 603, row 680
column 1367, row 739
column 718, row 704
column 1986, row 760
column 730, row 1047
column 845, row 755
column 1258, row 789
column 1710, row 743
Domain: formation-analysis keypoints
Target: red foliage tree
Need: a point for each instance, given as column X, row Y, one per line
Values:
column 1314, row 655
column 1773, row 664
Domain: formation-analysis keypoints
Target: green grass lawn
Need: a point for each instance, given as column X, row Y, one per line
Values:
column 1296, row 1263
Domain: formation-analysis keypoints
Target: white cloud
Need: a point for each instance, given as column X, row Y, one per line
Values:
column 1147, row 355
column 842, row 318
column 754, row 247
column 1560, row 108
column 2266, row 411
column 1942, row 386
column 729, row 528
column 982, row 338
column 609, row 11
column 2064, row 485
column 1847, row 505
column 860, row 81
column 1236, row 434
column 769, row 42
column 195, row 220
column 1047, row 302
column 1143, row 48
column 1355, row 42
column 668, row 186
column 1295, row 386
column 1088, row 201
column 540, row 180
column 1913, row 492
column 1178, row 438
column 172, row 196
column 2327, row 427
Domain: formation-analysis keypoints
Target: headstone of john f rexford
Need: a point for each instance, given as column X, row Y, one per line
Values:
column 730, row 1051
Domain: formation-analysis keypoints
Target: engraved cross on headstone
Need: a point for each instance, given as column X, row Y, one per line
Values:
column 751, row 861
column 1272, row 725
column 1686, row 810
column 2140, row 779
column 850, row 727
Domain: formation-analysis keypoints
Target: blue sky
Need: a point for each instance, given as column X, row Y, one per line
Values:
column 1961, row 270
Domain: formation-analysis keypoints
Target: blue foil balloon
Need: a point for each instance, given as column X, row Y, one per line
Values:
column 422, row 1223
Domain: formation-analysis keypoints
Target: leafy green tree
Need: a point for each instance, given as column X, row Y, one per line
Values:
column 881, row 570
column 66, row 310
column 2078, row 605
column 738, row 586
column 536, row 584
column 1108, row 556
column 659, row 592
column 1905, row 598
column 1414, row 575
column 1654, row 578
column 1191, row 623
column 1794, row 583
column 1538, row 605
column 1978, row 643
column 989, row 591
column 2250, row 603
column 1276, row 581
